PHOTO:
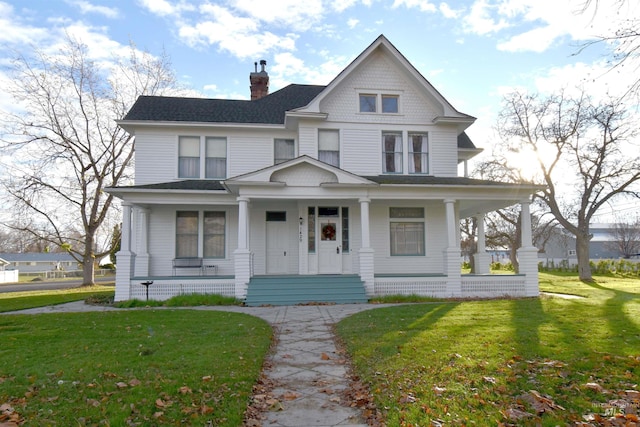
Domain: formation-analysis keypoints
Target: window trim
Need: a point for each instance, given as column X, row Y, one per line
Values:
column 202, row 157
column 406, row 220
column 379, row 95
column 277, row 160
column 200, row 233
column 337, row 132
column 411, row 153
column 394, row 153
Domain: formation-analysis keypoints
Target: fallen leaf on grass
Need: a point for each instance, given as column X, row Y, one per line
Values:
column 595, row 387
column 540, row 403
column 135, row 382
column 515, row 414
column 122, row 385
column 184, row 390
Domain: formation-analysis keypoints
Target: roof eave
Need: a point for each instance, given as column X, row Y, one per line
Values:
column 131, row 125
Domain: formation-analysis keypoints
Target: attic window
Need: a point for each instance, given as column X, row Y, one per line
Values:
column 385, row 103
column 389, row 103
column 368, row 103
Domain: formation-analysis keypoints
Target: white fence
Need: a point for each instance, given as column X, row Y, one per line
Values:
column 8, row 276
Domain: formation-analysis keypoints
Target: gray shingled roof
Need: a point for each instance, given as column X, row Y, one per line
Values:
column 37, row 257
column 434, row 180
column 268, row 110
column 190, row 184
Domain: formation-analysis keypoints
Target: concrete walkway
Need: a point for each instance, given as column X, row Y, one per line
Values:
column 308, row 373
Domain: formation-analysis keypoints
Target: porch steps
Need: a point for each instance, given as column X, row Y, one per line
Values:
column 291, row 290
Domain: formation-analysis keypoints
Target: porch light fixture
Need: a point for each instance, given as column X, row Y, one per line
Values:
column 301, row 220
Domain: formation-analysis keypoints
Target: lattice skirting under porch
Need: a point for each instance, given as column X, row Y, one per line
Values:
column 493, row 286
column 163, row 291
column 412, row 286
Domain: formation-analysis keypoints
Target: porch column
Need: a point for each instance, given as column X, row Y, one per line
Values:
column 481, row 257
column 451, row 254
column 142, row 255
column 242, row 255
column 124, row 258
column 366, row 252
column 527, row 253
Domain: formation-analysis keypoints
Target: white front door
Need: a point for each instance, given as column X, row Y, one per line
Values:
column 329, row 247
column 277, row 245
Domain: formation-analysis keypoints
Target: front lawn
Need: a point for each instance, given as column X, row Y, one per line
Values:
column 140, row 367
column 547, row 361
column 13, row 301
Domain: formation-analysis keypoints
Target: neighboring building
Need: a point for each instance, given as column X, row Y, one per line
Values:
column 561, row 246
column 36, row 262
column 354, row 181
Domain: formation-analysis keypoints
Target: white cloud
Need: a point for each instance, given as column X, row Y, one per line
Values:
column 351, row 23
column 16, row 31
column 288, row 68
column 480, row 20
column 86, row 7
column 449, row 13
column 535, row 25
column 421, row 5
column 159, row 7
column 295, row 14
column 342, row 5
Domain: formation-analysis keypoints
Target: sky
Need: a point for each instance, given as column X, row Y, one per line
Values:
column 472, row 51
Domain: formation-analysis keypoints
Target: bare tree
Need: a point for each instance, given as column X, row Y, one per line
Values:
column 66, row 145
column 626, row 238
column 624, row 37
column 586, row 154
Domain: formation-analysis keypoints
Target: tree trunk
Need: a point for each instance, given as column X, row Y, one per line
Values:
column 582, row 252
column 88, row 261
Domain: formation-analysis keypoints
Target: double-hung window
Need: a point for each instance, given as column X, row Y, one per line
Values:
column 216, row 157
column 192, row 228
column 406, row 227
column 189, row 157
column 186, row 234
column 392, row 152
column 283, row 150
column 368, row 103
column 389, row 104
column 418, row 153
column 329, row 147
column 214, row 234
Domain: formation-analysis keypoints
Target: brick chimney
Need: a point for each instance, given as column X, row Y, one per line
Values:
column 259, row 81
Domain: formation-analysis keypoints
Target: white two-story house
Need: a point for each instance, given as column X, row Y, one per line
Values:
column 314, row 188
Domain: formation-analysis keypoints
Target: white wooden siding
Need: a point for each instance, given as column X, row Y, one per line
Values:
column 444, row 152
column 155, row 157
column 308, row 141
column 162, row 238
column 435, row 241
column 361, row 151
column 378, row 75
column 248, row 153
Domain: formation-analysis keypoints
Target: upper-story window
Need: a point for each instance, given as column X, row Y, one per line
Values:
column 329, row 147
column 389, row 103
column 283, row 150
column 392, row 152
column 368, row 103
column 189, row 157
column 418, row 153
column 191, row 163
column 379, row 102
column 216, row 157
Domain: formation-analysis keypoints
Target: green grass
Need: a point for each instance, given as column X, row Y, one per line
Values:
column 132, row 367
column 13, row 301
column 475, row 362
column 189, row 300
